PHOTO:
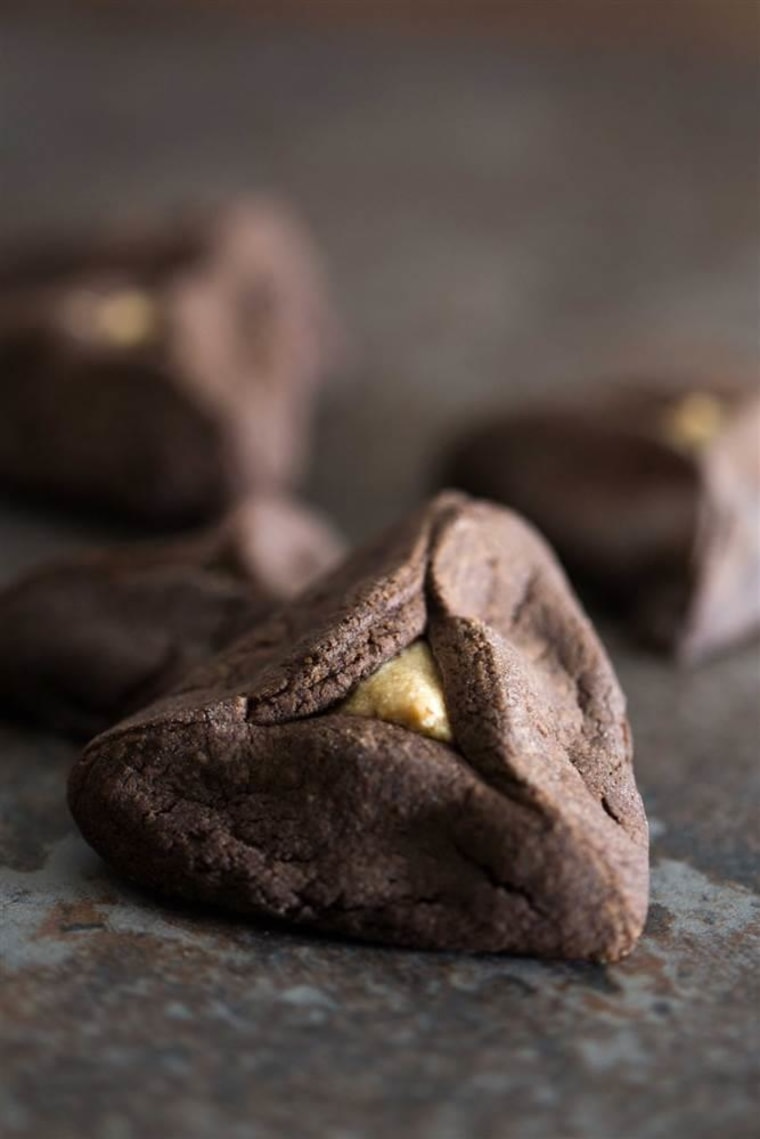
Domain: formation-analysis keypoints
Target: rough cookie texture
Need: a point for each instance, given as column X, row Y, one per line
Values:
column 86, row 641
column 251, row 788
column 650, row 495
column 163, row 373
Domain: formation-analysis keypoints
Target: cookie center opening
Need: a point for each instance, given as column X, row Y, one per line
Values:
column 693, row 421
column 406, row 690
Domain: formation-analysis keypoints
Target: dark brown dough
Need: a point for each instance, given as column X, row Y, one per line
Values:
column 666, row 530
column 251, row 788
column 161, row 374
column 86, row 641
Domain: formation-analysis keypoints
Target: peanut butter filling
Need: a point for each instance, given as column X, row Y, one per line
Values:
column 692, row 422
column 126, row 318
column 119, row 318
column 406, row 690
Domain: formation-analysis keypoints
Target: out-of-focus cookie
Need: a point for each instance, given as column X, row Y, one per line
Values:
column 86, row 641
column 163, row 373
column 651, row 495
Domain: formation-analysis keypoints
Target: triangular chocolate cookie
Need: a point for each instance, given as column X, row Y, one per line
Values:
column 162, row 372
column 90, row 639
column 650, row 495
column 492, row 807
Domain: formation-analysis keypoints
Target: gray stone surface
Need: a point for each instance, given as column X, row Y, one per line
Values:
column 498, row 221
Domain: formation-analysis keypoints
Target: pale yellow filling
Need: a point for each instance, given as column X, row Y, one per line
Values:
column 693, row 421
column 407, row 691
column 125, row 318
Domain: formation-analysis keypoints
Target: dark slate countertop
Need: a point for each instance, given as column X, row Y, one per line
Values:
column 500, row 220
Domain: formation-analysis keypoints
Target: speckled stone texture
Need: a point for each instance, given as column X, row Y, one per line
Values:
column 502, row 222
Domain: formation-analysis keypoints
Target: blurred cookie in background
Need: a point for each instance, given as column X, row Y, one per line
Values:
column 651, row 496
column 161, row 373
column 86, row 640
